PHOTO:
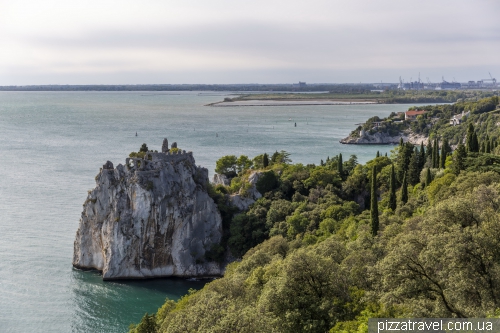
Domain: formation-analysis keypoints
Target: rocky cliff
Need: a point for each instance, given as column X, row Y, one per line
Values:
column 151, row 217
column 379, row 138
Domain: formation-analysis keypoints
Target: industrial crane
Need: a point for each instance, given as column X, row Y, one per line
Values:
column 492, row 79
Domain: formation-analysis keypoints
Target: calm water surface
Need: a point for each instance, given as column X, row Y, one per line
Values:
column 53, row 144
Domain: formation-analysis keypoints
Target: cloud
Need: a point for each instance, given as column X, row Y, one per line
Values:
column 271, row 37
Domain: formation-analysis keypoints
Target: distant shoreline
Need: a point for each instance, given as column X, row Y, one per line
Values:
column 290, row 102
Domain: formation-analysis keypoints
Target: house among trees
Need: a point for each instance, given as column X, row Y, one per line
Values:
column 413, row 114
column 459, row 118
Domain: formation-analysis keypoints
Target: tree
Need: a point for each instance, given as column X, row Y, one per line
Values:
column 246, row 231
column 243, row 163
column 374, row 203
column 421, row 159
column 265, row 160
column 459, row 159
column 340, row 166
column 428, row 177
column 403, row 159
column 442, row 160
column 428, row 151
column 226, row 165
column 258, row 161
column 349, row 165
column 147, row 325
column 274, row 157
column 475, row 143
column 435, row 154
column 470, row 141
column 488, row 147
column 392, row 194
column 449, row 263
column 413, row 171
column 281, row 157
column 404, row 190
column 144, row 148
column 378, row 153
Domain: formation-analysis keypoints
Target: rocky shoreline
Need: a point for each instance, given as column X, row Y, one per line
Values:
column 379, row 138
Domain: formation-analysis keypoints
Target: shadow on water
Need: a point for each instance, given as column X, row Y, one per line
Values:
column 112, row 306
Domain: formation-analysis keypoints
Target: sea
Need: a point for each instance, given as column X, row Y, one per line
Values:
column 52, row 145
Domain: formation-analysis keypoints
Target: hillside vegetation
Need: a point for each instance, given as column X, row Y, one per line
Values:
column 413, row 234
column 435, row 123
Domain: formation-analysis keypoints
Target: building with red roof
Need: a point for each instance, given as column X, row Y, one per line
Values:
column 413, row 114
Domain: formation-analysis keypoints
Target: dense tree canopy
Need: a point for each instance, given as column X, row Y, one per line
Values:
column 310, row 260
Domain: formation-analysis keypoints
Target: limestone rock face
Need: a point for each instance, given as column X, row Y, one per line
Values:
column 243, row 200
column 151, row 217
column 378, row 138
column 164, row 146
column 221, row 180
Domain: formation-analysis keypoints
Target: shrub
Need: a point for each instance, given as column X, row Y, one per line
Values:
column 267, row 182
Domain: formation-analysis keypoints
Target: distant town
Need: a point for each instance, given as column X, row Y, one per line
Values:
column 419, row 84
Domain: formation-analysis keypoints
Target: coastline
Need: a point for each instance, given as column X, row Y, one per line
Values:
column 290, row 102
column 384, row 139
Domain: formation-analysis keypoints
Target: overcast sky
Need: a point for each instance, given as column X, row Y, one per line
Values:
column 234, row 41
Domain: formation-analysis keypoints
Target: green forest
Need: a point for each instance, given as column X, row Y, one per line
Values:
column 412, row 234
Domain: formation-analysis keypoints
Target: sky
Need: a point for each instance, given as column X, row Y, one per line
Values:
column 235, row 41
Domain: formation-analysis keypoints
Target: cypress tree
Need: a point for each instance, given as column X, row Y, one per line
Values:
column 488, row 147
column 378, row 154
column 428, row 152
column 469, row 141
column 428, row 177
column 475, row 143
column 459, row 159
column 436, row 152
column 321, row 162
column 433, row 160
column 385, row 154
column 434, row 149
column 413, row 172
column 392, row 194
column 404, row 190
column 421, row 158
column 340, row 166
column 401, row 142
column 374, row 203
column 442, row 160
column 403, row 159
column 265, row 160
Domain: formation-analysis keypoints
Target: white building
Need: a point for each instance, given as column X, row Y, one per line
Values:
column 459, row 118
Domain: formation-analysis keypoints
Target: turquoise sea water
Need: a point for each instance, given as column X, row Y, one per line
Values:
column 52, row 144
